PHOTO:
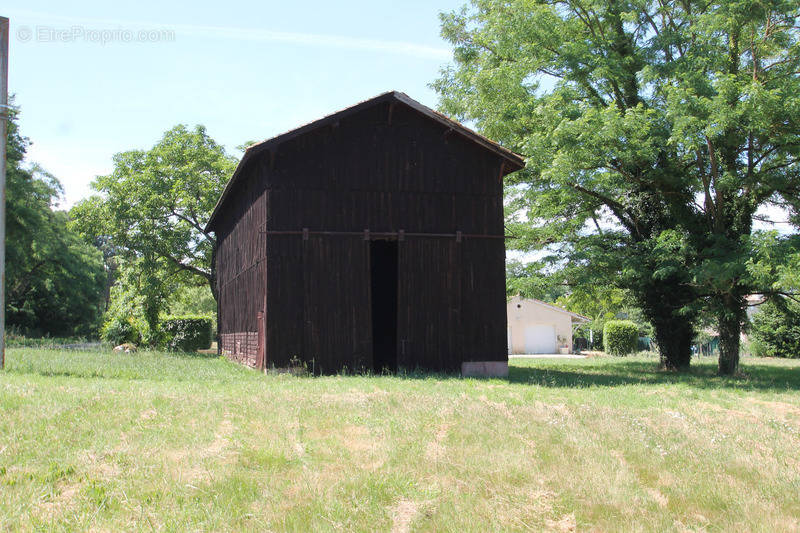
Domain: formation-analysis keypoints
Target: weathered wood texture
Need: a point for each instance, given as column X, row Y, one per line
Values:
column 241, row 271
column 384, row 173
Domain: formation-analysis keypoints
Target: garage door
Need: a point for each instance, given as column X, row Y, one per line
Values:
column 540, row 338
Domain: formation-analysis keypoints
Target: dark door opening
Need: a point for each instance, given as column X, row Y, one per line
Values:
column 383, row 273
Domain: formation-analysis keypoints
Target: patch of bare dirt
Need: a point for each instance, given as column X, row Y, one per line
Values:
column 295, row 441
column 436, row 448
column 743, row 415
column 498, row 406
column 618, row 455
column 221, row 439
column 101, row 466
column 564, row 524
column 659, row 497
column 353, row 396
column 63, row 501
column 781, row 408
column 364, row 447
column 190, row 460
column 403, row 515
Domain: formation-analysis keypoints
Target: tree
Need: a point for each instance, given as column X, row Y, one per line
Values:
column 776, row 329
column 53, row 279
column 138, row 297
column 89, row 219
column 739, row 131
column 654, row 131
column 153, row 208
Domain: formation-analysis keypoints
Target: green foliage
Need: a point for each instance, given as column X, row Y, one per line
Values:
column 775, row 330
column 54, row 280
column 16, row 338
column 531, row 280
column 121, row 328
column 653, row 132
column 192, row 300
column 596, row 301
column 775, row 263
column 620, row 337
column 187, row 333
column 137, row 293
column 151, row 212
column 596, row 329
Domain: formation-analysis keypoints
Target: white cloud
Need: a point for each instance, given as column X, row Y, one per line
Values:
column 243, row 34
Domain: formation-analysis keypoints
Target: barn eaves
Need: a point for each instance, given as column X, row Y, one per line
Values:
column 511, row 161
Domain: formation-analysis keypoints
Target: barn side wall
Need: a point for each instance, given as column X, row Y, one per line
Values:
column 368, row 173
column 241, row 271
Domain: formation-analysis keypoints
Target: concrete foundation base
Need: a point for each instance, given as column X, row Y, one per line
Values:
column 489, row 369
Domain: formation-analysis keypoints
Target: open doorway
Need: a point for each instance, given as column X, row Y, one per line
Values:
column 383, row 274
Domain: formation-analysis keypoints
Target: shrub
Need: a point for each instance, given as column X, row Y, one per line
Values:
column 124, row 321
column 597, row 335
column 119, row 329
column 775, row 330
column 187, row 333
column 620, row 337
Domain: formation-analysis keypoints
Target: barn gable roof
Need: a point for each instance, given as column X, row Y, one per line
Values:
column 513, row 161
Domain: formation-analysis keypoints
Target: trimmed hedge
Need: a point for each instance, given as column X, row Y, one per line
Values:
column 187, row 333
column 620, row 337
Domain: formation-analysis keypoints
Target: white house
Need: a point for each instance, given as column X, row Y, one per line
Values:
column 538, row 327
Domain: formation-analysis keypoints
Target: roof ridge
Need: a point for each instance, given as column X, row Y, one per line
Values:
column 516, row 161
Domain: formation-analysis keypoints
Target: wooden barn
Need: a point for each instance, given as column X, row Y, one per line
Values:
column 371, row 239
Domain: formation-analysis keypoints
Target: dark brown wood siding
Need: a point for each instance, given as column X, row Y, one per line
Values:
column 384, row 171
column 241, row 271
column 430, row 333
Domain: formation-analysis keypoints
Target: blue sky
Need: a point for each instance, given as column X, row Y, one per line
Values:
column 246, row 70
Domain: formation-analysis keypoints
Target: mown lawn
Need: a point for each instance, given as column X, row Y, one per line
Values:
column 108, row 442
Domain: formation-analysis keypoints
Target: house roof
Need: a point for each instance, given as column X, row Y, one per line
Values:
column 514, row 161
column 576, row 316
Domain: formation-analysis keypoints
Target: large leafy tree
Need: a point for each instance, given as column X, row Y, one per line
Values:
column 654, row 130
column 152, row 210
column 53, row 278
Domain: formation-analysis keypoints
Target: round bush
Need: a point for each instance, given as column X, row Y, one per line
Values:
column 620, row 337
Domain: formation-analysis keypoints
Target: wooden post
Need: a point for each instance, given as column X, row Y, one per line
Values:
column 262, row 340
column 4, row 117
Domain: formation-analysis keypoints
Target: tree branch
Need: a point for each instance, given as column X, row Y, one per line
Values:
column 617, row 208
column 187, row 268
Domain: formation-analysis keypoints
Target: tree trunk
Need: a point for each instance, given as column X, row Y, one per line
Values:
column 674, row 338
column 663, row 303
column 730, row 317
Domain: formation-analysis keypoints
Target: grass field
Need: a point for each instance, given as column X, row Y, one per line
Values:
column 105, row 442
